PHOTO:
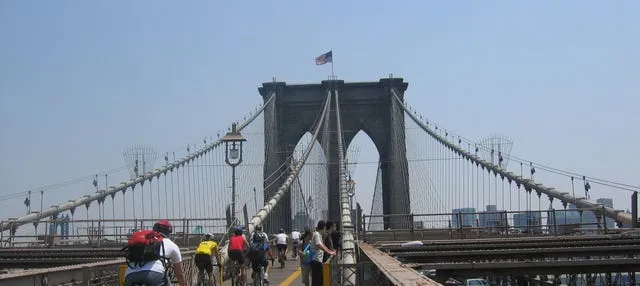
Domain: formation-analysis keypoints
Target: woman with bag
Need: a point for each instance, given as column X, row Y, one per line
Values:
column 305, row 254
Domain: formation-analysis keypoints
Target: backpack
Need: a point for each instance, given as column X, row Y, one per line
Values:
column 257, row 242
column 307, row 254
column 144, row 246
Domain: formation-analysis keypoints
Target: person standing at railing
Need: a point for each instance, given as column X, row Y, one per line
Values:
column 319, row 249
column 305, row 254
column 336, row 239
column 326, row 238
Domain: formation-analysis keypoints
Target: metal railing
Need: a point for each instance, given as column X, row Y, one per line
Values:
column 99, row 273
column 107, row 232
column 488, row 224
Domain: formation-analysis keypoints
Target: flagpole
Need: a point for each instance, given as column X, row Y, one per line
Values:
column 332, row 76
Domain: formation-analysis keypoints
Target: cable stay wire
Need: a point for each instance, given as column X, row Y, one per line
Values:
column 568, row 174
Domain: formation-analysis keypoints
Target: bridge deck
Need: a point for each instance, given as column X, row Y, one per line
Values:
column 281, row 276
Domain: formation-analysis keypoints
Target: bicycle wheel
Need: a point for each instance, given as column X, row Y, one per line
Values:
column 238, row 274
column 233, row 275
column 200, row 281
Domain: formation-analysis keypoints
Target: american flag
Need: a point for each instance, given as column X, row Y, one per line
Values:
column 324, row 58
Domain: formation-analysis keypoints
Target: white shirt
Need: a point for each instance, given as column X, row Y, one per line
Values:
column 170, row 250
column 316, row 241
column 281, row 238
column 295, row 235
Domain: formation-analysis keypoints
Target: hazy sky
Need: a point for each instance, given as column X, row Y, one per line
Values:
column 82, row 80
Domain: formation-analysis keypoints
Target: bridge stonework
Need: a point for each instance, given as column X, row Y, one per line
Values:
column 366, row 106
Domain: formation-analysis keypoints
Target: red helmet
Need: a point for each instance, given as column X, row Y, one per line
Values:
column 163, row 226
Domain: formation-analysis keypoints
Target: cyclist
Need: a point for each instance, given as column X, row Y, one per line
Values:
column 154, row 272
column 258, row 251
column 203, row 255
column 295, row 242
column 281, row 244
column 237, row 245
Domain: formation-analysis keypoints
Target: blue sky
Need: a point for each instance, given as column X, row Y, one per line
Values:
column 82, row 80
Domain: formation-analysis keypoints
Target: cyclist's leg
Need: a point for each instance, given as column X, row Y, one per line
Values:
column 239, row 264
column 209, row 267
column 265, row 265
column 294, row 249
column 199, row 260
column 286, row 247
column 243, row 268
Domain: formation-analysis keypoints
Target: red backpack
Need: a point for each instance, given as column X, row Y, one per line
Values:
column 144, row 246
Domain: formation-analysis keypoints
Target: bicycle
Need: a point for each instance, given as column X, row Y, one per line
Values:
column 294, row 246
column 259, row 280
column 281, row 257
column 236, row 274
column 203, row 278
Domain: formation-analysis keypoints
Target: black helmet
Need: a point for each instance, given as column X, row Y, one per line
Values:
column 163, row 226
column 258, row 228
column 237, row 231
column 282, row 230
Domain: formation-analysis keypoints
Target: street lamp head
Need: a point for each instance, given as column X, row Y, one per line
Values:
column 233, row 136
column 351, row 187
column 233, row 144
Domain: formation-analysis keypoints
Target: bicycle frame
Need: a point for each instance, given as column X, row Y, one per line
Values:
column 260, row 280
column 236, row 274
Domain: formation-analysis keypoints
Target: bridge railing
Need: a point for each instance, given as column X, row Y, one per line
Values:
column 186, row 232
column 97, row 273
column 488, row 224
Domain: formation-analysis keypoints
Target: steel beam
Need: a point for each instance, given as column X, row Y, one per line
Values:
column 396, row 272
column 537, row 267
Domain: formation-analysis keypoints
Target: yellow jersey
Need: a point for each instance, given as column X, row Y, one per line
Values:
column 207, row 247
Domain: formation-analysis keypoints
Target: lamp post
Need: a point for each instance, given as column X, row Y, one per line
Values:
column 351, row 191
column 233, row 156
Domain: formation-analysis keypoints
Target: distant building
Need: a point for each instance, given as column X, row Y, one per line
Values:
column 492, row 217
column 527, row 221
column 301, row 221
column 567, row 221
column 607, row 202
column 465, row 216
column 563, row 222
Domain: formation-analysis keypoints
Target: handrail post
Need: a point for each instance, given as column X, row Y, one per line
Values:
column 555, row 222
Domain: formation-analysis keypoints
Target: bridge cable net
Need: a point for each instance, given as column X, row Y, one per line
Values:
column 309, row 192
column 292, row 174
column 453, row 177
column 185, row 190
column 375, row 220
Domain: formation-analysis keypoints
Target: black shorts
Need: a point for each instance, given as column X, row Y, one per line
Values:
column 203, row 261
column 256, row 263
column 236, row 255
column 282, row 247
